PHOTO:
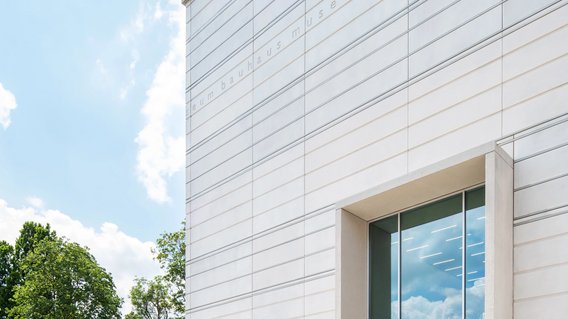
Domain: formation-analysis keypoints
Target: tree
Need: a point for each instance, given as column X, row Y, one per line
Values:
column 150, row 299
column 6, row 269
column 170, row 253
column 12, row 274
column 164, row 296
column 53, row 278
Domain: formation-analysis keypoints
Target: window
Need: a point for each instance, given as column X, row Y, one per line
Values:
column 427, row 271
column 418, row 267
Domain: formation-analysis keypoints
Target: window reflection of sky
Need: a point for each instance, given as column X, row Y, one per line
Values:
column 431, row 261
column 475, row 263
column 432, row 266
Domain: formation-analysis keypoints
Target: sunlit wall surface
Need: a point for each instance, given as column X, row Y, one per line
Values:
column 293, row 105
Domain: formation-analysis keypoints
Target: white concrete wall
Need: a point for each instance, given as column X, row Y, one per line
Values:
column 294, row 105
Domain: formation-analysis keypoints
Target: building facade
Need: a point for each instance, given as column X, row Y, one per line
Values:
column 377, row 159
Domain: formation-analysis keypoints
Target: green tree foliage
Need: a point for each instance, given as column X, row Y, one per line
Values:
column 30, row 235
column 6, row 268
column 53, row 278
column 151, row 299
column 170, row 253
column 163, row 297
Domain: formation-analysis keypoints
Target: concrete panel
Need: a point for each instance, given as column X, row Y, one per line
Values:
column 361, row 50
column 541, row 229
column 221, row 274
column 541, row 168
column 529, row 200
column 320, row 241
column 237, row 309
column 218, row 192
column 269, row 62
column 236, row 164
column 236, row 104
column 280, row 81
column 320, row 262
column 279, row 139
column 225, row 290
column 278, row 177
column 356, row 183
column 266, row 11
column 239, row 144
column 277, row 255
column 333, row 34
column 456, row 91
column 549, row 47
column 234, row 70
column 335, row 105
column 551, row 307
column 278, row 237
column 357, row 73
column 279, row 274
column 203, row 12
column 222, row 238
column 357, row 139
column 286, row 302
column 216, row 32
column 444, row 21
column 278, row 196
column 277, row 161
column 285, row 16
column 535, row 30
column 472, row 109
column 320, row 302
column 278, row 120
column 282, row 101
column 380, row 151
column 357, row 122
column 541, row 140
column 542, row 253
column 455, row 42
column 218, row 140
column 223, row 204
column 221, row 221
column 516, row 10
column 542, row 282
column 456, row 71
column 537, row 81
column 221, row 53
column 465, row 138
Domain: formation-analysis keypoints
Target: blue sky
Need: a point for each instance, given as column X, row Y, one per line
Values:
column 91, row 120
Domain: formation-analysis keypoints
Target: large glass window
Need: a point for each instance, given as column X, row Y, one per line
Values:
column 419, row 267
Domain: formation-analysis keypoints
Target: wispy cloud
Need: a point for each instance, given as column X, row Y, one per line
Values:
column 160, row 151
column 35, row 202
column 7, row 104
column 119, row 253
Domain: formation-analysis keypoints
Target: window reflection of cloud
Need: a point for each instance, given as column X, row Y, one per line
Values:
column 422, row 275
column 423, row 308
column 430, row 263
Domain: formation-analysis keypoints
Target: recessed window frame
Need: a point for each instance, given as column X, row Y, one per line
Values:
column 463, row 211
column 487, row 164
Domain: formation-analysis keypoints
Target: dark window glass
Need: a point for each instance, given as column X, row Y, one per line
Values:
column 383, row 275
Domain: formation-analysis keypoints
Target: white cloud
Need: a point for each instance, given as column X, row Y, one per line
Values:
column 119, row 253
column 7, row 104
column 35, row 202
column 160, row 151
